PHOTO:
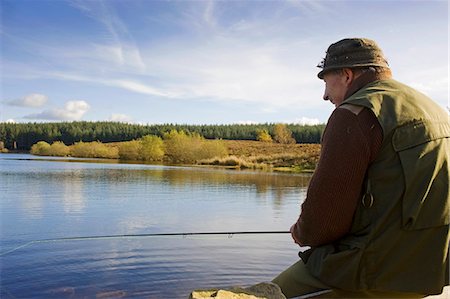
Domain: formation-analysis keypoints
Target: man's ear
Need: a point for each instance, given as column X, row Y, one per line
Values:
column 348, row 76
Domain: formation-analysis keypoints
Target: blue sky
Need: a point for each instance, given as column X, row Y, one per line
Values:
column 202, row 62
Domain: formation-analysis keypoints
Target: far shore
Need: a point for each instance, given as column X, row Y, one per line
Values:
column 246, row 154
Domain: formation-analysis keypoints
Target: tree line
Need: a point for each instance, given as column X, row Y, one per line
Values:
column 21, row 136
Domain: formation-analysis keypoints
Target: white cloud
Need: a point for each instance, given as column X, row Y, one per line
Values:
column 10, row 121
column 433, row 82
column 300, row 121
column 247, row 122
column 73, row 110
column 307, row 121
column 117, row 117
column 33, row 100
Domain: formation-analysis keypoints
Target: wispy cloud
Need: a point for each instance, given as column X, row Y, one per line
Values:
column 122, row 48
column 208, row 14
column 33, row 100
column 309, row 7
column 138, row 87
column 126, row 84
column 263, row 73
column 73, row 110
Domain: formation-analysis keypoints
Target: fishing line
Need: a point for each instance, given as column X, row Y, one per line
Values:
column 184, row 235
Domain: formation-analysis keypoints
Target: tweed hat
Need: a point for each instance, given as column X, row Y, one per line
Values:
column 352, row 52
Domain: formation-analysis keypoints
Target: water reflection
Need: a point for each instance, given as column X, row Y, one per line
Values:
column 33, row 203
column 73, row 199
column 136, row 224
column 77, row 182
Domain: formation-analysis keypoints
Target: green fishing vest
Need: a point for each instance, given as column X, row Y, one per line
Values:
column 399, row 238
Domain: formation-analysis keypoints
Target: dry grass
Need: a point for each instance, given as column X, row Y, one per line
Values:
column 234, row 162
column 255, row 148
column 264, row 155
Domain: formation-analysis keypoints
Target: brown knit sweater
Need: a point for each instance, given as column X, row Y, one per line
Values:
column 350, row 143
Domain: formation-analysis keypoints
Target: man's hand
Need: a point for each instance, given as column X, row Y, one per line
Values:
column 292, row 230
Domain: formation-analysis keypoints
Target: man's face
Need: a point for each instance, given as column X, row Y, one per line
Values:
column 335, row 87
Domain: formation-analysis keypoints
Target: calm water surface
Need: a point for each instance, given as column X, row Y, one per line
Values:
column 53, row 198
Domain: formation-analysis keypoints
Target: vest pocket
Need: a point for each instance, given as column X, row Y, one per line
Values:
column 423, row 149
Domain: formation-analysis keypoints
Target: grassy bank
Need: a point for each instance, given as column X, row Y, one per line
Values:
column 275, row 156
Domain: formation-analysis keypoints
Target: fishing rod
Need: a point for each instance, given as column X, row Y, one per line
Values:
column 184, row 235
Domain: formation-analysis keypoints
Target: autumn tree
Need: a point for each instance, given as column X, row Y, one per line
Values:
column 282, row 134
column 211, row 149
column 189, row 148
column 263, row 135
column 130, row 150
column 152, row 148
column 93, row 149
column 181, row 147
column 59, row 149
column 41, row 148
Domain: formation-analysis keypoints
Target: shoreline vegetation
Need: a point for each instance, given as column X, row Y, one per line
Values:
column 178, row 147
column 271, row 147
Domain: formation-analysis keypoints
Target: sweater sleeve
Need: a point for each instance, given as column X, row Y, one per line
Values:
column 349, row 144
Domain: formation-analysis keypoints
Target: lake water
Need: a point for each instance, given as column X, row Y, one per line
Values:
column 45, row 198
